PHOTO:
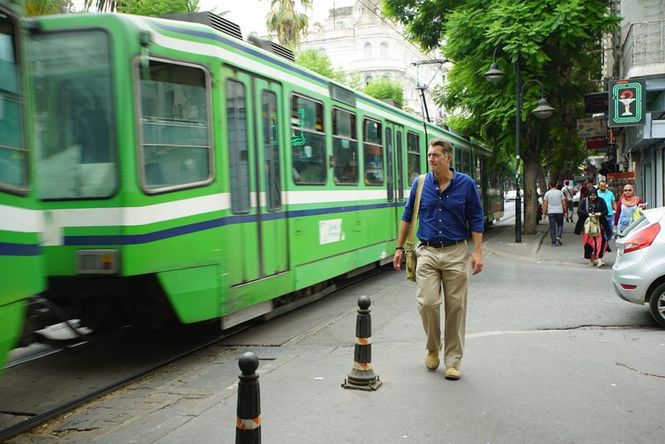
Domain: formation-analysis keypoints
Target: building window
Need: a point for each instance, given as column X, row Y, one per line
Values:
column 367, row 50
column 384, row 50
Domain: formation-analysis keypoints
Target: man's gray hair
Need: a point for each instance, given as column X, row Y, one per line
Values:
column 446, row 147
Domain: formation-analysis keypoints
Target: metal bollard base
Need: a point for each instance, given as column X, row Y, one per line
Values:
column 362, row 384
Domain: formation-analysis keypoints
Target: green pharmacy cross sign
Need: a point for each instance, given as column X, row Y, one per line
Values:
column 627, row 98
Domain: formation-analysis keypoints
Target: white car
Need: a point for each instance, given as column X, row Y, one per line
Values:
column 638, row 274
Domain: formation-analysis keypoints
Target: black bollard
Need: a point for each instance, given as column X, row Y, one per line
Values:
column 362, row 376
column 248, row 423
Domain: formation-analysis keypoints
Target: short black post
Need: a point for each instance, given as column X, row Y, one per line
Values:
column 248, row 423
column 362, row 376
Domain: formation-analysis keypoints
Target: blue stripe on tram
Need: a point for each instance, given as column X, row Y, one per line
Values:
column 133, row 239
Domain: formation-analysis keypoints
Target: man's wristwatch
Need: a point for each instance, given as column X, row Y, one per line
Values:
column 399, row 248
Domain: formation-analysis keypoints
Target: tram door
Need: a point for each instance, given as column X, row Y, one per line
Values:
column 255, row 176
column 394, row 134
column 268, row 146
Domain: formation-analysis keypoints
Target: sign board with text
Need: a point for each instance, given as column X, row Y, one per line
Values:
column 627, row 102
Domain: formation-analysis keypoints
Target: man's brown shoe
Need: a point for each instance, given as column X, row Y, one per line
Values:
column 452, row 373
column 432, row 360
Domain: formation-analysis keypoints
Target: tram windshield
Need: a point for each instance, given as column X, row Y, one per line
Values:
column 71, row 79
column 13, row 154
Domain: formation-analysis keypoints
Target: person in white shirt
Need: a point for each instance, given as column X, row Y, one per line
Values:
column 555, row 208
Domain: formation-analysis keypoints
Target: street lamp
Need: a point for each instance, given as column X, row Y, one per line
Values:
column 542, row 111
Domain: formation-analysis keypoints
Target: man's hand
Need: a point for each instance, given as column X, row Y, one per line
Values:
column 476, row 262
column 397, row 259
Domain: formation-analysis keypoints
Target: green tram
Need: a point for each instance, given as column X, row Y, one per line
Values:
column 186, row 173
column 21, row 271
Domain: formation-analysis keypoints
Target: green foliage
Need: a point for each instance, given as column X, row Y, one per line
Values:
column 556, row 41
column 319, row 62
column 157, row 7
column 383, row 88
column 143, row 7
column 35, row 8
column 288, row 24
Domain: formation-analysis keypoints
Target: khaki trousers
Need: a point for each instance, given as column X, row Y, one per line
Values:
column 447, row 268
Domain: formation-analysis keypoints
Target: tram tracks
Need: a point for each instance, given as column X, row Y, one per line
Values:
column 48, row 385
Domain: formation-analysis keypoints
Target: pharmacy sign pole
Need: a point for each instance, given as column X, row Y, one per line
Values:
column 627, row 100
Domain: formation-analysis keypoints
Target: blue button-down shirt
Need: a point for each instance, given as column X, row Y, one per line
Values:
column 443, row 216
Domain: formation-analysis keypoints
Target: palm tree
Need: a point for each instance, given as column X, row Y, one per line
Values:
column 34, row 8
column 102, row 5
column 289, row 25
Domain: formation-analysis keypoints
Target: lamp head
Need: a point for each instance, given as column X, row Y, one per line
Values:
column 543, row 110
column 494, row 74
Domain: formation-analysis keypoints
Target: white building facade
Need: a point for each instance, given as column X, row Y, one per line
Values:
column 359, row 40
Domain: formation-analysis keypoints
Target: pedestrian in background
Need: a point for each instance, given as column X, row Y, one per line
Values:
column 593, row 241
column 608, row 196
column 556, row 208
column 449, row 202
column 628, row 204
column 568, row 193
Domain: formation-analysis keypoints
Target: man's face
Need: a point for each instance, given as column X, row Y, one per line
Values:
column 602, row 186
column 438, row 160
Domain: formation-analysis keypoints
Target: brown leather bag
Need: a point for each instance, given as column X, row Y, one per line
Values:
column 409, row 249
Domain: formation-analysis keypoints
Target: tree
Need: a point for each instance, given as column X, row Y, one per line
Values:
column 288, row 24
column 558, row 42
column 319, row 62
column 34, row 8
column 143, row 7
column 383, row 88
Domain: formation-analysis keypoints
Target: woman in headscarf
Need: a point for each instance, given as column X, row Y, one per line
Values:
column 626, row 207
column 593, row 239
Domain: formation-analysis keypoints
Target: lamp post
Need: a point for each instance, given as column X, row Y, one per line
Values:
column 542, row 111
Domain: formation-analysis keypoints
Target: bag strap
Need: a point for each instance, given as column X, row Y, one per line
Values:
column 416, row 209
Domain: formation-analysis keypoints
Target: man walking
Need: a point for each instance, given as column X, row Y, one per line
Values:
column 567, row 191
column 555, row 208
column 448, row 202
column 608, row 196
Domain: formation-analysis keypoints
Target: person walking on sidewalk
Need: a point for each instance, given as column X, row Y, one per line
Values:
column 593, row 240
column 608, row 196
column 628, row 204
column 449, row 202
column 555, row 208
column 568, row 193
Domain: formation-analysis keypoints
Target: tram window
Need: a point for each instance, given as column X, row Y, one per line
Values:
column 12, row 151
column 373, row 150
column 462, row 161
column 271, row 149
column 308, row 145
column 74, row 108
column 236, row 120
column 412, row 156
column 400, row 181
column 345, row 147
column 174, row 126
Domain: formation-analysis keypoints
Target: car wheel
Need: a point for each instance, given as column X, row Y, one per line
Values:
column 657, row 304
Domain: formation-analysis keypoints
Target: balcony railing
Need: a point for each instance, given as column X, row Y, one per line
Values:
column 644, row 46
